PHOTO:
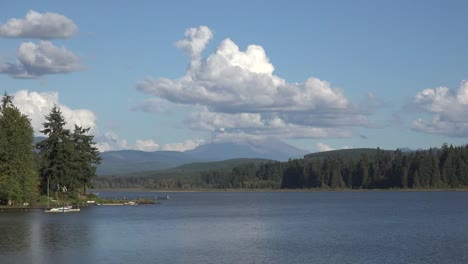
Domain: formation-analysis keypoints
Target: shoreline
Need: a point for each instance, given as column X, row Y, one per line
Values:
column 273, row 190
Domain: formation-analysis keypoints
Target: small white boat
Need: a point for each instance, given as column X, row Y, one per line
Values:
column 64, row 209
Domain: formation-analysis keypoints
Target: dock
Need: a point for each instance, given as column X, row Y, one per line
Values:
column 21, row 209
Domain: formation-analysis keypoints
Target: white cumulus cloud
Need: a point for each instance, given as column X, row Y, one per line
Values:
column 211, row 121
column 236, row 90
column 111, row 141
column 195, row 41
column 323, row 147
column 448, row 110
column 257, row 124
column 41, row 26
column 37, row 105
column 146, row 145
column 231, row 80
column 35, row 60
column 184, row 145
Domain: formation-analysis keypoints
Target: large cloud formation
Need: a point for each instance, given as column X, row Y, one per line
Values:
column 37, row 25
column 35, row 60
column 37, row 105
column 236, row 90
column 448, row 110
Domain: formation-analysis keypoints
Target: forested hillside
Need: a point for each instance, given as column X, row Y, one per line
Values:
column 444, row 168
column 373, row 169
column 347, row 154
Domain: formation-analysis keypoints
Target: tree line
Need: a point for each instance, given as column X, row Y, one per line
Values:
column 446, row 167
column 64, row 164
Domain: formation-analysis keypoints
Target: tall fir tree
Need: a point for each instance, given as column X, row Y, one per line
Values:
column 18, row 173
column 56, row 154
column 86, row 156
column 436, row 180
column 68, row 160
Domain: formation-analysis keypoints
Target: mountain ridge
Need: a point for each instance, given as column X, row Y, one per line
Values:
column 133, row 161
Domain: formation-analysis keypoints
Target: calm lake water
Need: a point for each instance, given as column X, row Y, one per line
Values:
column 290, row 227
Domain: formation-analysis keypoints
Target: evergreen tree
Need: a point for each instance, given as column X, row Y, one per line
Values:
column 86, row 156
column 436, row 180
column 293, row 174
column 363, row 172
column 18, row 174
column 336, row 181
column 56, row 167
column 313, row 171
column 416, row 183
column 347, row 173
column 404, row 179
column 425, row 169
column 67, row 160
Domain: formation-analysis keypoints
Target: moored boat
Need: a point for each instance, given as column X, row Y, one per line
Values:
column 64, row 209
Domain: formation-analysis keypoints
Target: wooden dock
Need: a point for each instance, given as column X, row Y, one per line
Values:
column 21, row 209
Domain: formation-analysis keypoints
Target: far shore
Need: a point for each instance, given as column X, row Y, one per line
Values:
column 272, row 190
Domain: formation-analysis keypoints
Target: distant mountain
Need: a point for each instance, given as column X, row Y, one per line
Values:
column 129, row 161
column 133, row 161
column 264, row 149
column 191, row 169
column 38, row 139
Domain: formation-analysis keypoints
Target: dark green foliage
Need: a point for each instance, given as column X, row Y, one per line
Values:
column 444, row 168
column 18, row 174
column 67, row 160
column 347, row 154
column 235, row 173
column 55, row 154
column 312, row 173
column 293, row 176
column 86, row 157
column 217, row 165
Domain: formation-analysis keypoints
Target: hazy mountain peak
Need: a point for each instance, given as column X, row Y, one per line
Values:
column 247, row 148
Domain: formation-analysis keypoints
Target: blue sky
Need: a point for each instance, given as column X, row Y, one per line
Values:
column 170, row 75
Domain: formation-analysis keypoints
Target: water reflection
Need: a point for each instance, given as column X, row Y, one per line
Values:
column 223, row 230
column 36, row 237
column 14, row 236
column 37, row 252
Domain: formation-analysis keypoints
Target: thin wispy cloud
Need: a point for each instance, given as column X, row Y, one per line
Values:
column 447, row 108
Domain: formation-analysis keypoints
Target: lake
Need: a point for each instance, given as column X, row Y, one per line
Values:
column 251, row 227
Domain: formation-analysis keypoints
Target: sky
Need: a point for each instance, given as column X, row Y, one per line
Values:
column 174, row 75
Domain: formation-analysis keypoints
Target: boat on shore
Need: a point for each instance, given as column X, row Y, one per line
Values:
column 64, row 209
